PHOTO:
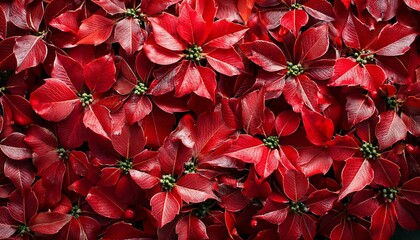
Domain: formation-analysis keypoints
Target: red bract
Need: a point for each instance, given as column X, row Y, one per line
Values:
column 209, row 119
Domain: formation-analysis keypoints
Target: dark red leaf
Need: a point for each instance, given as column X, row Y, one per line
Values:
column 390, row 129
column 165, row 206
column 49, row 222
column 294, row 20
column 104, row 202
column 30, row 51
column 190, row 228
column 383, row 222
column 356, row 174
column 319, row 129
column 295, row 185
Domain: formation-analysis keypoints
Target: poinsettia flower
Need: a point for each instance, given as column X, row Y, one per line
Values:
column 365, row 67
column 294, row 14
column 69, row 97
column 184, row 44
column 292, row 74
column 267, row 152
column 21, row 218
column 294, row 211
column 56, row 165
column 347, row 218
column 399, row 203
column 128, row 22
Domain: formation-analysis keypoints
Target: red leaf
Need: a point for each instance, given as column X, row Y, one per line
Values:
column 252, row 111
column 14, row 147
column 349, row 230
column 319, row 129
column 23, row 205
column 157, row 125
column 287, row 123
column 383, row 222
column 79, row 162
column 137, row 107
column 129, row 35
column 245, row 9
column 359, row 107
column 121, row 230
column 69, row 71
column 294, row 20
column 207, row 83
column 7, row 224
column 160, row 55
column 411, row 190
column 312, row 44
column 394, row 40
column 144, row 180
column 111, row 6
column 54, row 100
column 320, row 9
column 247, row 149
column 30, row 51
column 49, row 222
column 295, row 185
column 190, row 228
column 67, row 21
column 166, row 34
column 20, row 173
column 356, row 174
column 23, row 114
column 104, row 202
column 274, row 212
column 225, row 61
column 100, row 74
column 382, row 10
column 314, row 160
column 301, row 91
column 7, row 57
column 128, row 140
column 342, row 147
column 95, row 30
column 165, row 206
column 387, row 173
column 225, row 34
column 389, row 129
column 413, row 4
column 194, row 188
column 356, row 34
column 191, row 26
column 98, row 119
column 3, row 24
column 109, row 176
column 268, row 164
column 321, row 201
column 265, row 54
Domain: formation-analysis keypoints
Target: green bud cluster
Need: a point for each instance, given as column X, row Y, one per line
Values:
column 62, row 153
column 189, row 167
column 40, row 34
column 194, row 53
column 22, row 229
column 369, row 151
column 298, row 207
column 389, row 193
column 201, row 211
column 140, row 88
column 131, row 12
column 391, row 102
column 294, row 70
column 2, row 89
column 168, row 182
column 86, row 99
column 295, row 6
column 75, row 211
column 272, row 142
column 363, row 57
column 125, row 165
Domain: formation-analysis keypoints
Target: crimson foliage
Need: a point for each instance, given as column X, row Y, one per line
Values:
column 209, row 119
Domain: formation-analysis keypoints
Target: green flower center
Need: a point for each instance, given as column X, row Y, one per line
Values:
column 363, row 57
column 271, row 142
column 86, row 99
column 194, row 53
column 168, row 182
column 391, row 102
column 295, row 6
column 298, row 207
column 22, row 229
column 76, row 211
column 140, row 88
column 131, row 12
column 189, row 167
column 125, row 165
column 62, row 153
column 4, row 77
column 201, row 211
column 294, row 70
column 389, row 194
column 369, row 150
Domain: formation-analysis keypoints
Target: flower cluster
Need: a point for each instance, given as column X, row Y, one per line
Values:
column 209, row 119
